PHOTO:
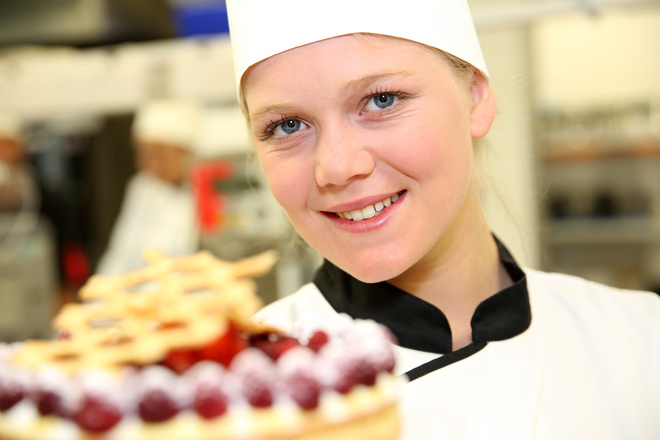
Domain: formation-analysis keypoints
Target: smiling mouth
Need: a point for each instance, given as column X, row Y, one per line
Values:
column 371, row 210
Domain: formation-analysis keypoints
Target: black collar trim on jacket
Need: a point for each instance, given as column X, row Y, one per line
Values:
column 420, row 325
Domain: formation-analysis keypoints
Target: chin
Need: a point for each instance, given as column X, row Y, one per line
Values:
column 373, row 270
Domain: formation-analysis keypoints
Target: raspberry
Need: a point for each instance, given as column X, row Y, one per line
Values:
column 304, row 390
column 211, row 382
column 297, row 371
column 257, row 375
column 157, row 406
column 210, row 403
column 338, row 367
column 276, row 346
column 375, row 356
column 346, row 381
column 13, row 389
column 224, row 348
column 318, row 340
column 366, row 373
column 10, row 396
column 97, row 414
column 258, row 395
column 49, row 402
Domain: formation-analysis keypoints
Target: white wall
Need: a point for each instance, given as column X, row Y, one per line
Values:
column 610, row 57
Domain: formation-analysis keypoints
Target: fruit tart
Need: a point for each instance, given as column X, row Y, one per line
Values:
column 170, row 352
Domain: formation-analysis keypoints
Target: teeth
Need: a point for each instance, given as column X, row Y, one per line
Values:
column 357, row 215
column 370, row 211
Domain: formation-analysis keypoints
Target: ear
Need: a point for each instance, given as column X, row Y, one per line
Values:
column 482, row 113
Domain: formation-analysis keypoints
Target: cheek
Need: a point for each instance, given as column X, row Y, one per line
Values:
column 287, row 182
column 444, row 151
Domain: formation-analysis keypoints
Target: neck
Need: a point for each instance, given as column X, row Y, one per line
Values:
column 461, row 271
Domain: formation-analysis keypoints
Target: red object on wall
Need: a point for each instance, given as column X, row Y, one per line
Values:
column 75, row 264
column 209, row 199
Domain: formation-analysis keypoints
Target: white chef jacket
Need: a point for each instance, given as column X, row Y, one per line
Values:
column 153, row 214
column 554, row 357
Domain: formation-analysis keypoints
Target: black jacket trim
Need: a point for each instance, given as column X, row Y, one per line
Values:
column 445, row 360
column 419, row 325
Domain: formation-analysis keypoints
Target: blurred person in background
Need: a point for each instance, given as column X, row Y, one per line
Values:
column 18, row 191
column 158, row 209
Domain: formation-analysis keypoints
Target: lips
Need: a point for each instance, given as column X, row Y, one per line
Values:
column 369, row 211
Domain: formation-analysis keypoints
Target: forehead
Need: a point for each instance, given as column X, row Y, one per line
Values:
column 339, row 59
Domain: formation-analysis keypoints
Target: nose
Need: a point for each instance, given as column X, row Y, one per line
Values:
column 342, row 156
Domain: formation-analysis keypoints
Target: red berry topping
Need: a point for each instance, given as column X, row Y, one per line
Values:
column 275, row 346
column 338, row 367
column 97, row 414
column 304, row 390
column 180, row 360
column 257, row 376
column 297, row 370
column 157, row 406
column 10, row 396
column 210, row 384
column 13, row 389
column 346, row 381
column 49, row 402
column 366, row 372
column 318, row 340
column 225, row 347
column 374, row 350
column 210, row 402
column 258, row 394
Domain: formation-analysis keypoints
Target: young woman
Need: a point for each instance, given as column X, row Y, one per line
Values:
column 363, row 114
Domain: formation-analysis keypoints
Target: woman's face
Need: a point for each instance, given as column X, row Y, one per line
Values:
column 366, row 144
column 11, row 151
column 163, row 161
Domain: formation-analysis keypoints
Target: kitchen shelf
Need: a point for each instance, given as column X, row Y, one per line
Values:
column 594, row 151
column 624, row 230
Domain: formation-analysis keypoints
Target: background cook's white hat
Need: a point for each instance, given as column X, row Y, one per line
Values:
column 223, row 132
column 170, row 121
column 260, row 29
column 11, row 126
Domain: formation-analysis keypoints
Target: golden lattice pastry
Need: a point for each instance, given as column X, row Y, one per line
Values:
column 170, row 352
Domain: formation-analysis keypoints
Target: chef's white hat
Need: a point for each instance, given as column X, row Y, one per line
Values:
column 260, row 29
column 11, row 126
column 170, row 121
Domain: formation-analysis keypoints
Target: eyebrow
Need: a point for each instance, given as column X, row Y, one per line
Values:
column 361, row 83
column 279, row 109
column 351, row 86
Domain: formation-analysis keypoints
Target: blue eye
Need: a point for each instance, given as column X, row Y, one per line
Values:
column 288, row 126
column 383, row 100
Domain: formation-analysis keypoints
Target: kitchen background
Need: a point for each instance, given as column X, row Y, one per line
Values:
column 571, row 170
